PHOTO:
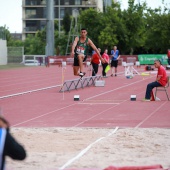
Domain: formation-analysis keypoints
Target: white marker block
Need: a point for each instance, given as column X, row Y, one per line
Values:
column 76, row 97
column 63, row 64
column 133, row 97
column 99, row 83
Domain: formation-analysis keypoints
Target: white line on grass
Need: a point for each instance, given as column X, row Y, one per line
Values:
column 86, row 149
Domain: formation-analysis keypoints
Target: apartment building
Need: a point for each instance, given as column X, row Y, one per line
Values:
column 34, row 12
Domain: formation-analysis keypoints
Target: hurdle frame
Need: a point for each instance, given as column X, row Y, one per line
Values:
column 78, row 83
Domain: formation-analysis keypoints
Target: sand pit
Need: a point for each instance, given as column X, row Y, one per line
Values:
column 53, row 148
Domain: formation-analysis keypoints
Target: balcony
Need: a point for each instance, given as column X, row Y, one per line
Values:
column 89, row 2
column 31, row 2
column 30, row 29
column 30, row 16
column 34, row 3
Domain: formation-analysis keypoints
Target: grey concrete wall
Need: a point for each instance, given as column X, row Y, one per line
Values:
column 3, row 52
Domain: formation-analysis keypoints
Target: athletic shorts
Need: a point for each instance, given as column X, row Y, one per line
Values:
column 114, row 63
column 76, row 60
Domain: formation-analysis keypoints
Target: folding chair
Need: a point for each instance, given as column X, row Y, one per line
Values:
column 163, row 88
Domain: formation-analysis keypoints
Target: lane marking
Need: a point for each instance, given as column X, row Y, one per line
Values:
column 43, row 115
column 94, row 116
column 70, row 106
column 98, row 103
column 114, row 89
column 86, row 149
column 152, row 113
column 103, row 112
column 45, row 88
column 64, row 108
column 30, row 91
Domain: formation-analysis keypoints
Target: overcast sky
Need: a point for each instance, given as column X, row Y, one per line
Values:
column 11, row 12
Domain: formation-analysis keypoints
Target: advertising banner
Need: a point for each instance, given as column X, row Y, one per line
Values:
column 149, row 58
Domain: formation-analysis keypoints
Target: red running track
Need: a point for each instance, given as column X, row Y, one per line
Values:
column 107, row 106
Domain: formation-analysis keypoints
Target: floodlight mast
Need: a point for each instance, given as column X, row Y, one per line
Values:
column 59, row 23
column 50, row 28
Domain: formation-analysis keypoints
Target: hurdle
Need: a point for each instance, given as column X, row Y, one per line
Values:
column 129, row 69
column 55, row 61
column 78, row 83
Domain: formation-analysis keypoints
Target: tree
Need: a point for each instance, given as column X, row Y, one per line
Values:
column 90, row 19
column 135, row 25
column 138, row 28
column 66, row 22
column 113, row 29
column 60, row 43
column 34, row 45
column 158, row 31
column 4, row 33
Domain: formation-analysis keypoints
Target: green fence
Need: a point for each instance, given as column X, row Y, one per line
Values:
column 15, row 54
column 149, row 58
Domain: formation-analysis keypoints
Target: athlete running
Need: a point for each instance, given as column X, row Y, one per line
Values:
column 79, row 52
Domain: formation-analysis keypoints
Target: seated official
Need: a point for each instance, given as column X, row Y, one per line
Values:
column 161, row 80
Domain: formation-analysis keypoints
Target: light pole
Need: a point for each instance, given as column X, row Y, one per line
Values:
column 59, row 18
column 50, row 28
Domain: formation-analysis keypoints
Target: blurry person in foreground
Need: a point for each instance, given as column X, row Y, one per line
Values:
column 8, row 145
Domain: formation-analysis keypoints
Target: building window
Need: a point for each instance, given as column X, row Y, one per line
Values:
column 31, row 26
column 43, row 2
column 44, row 12
column 62, row 12
column 31, row 2
column 30, row 13
column 77, row 2
column 66, row 2
column 42, row 25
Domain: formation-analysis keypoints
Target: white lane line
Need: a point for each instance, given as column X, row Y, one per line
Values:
column 103, row 112
column 150, row 115
column 43, row 115
column 86, row 149
column 69, row 106
column 94, row 116
column 98, row 103
column 114, row 89
column 30, row 91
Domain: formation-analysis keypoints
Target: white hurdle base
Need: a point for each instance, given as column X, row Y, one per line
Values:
column 99, row 83
column 129, row 69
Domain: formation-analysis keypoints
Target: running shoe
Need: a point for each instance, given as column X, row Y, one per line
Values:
column 81, row 74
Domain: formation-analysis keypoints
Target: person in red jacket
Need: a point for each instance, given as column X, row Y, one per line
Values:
column 95, row 61
column 161, row 80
